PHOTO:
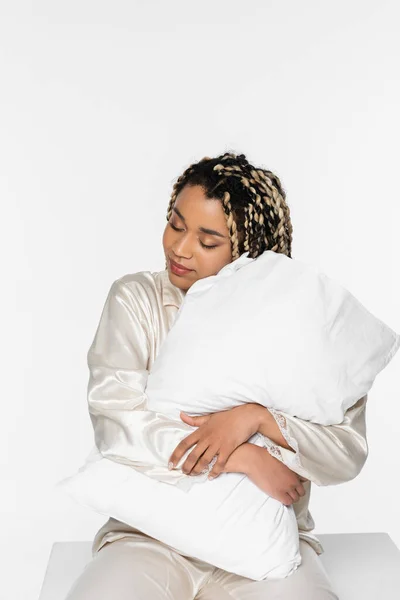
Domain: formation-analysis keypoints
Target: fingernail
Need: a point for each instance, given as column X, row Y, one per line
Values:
column 170, row 466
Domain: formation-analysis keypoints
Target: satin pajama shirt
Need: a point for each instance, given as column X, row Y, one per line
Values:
column 139, row 310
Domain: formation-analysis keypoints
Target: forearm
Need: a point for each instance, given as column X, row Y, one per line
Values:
column 269, row 427
column 324, row 454
column 244, row 459
column 240, row 460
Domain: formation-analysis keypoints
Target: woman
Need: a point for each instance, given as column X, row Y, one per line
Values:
column 219, row 208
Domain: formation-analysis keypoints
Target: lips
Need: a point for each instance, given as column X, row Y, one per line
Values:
column 180, row 267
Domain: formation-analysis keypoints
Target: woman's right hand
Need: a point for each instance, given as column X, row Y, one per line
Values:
column 272, row 476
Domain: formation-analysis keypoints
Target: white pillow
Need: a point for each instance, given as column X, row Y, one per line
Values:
column 271, row 330
column 228, row 522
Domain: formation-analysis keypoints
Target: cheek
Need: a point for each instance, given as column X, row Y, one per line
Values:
column 166, row 238
column 214, row 261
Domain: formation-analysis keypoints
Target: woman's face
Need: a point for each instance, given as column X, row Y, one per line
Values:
column 191, row 214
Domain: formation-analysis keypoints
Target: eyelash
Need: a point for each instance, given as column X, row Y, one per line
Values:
column 203, row 245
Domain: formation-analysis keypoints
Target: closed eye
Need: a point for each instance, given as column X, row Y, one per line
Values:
column 203, row 245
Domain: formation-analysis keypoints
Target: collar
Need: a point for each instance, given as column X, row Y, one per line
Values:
column 170, row 293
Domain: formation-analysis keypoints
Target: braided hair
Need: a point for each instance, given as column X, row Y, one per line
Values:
column 253, row 199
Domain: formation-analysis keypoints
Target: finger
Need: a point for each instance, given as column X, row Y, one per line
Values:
column 205, row 460
column 193, row 457
column 219, row 466
column 194, row 421
column 294, row 495
column 287, row 500
column 182, row 448
column 300, row 490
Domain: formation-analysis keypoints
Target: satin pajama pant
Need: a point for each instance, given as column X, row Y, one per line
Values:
column 142, row 568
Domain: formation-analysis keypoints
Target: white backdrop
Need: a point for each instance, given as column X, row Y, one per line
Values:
column 102, row 106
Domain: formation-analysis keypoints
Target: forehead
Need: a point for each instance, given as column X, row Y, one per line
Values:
column 199, row 210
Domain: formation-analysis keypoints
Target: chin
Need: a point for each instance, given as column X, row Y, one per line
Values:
column 176, row 280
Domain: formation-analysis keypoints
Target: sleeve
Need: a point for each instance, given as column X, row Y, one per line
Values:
column 118, row 358
column 324, row 454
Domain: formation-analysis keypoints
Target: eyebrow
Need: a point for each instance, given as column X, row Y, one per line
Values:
column 204, row 229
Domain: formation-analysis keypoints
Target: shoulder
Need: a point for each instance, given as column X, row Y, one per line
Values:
column 151, row 290
column 145, row 288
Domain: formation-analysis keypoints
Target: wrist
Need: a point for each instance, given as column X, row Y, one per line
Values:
column 268, row 426
column 262, row 418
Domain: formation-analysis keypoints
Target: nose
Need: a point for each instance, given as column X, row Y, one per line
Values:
column 183, row 246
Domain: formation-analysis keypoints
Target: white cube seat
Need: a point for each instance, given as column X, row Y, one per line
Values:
column 360, row 565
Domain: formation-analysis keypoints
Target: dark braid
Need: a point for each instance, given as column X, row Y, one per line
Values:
column 253, row 199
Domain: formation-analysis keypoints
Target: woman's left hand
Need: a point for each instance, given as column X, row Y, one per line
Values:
column 218, row 433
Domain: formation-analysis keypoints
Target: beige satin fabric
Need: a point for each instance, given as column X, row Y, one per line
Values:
column 139, row 310
column 138, row 567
